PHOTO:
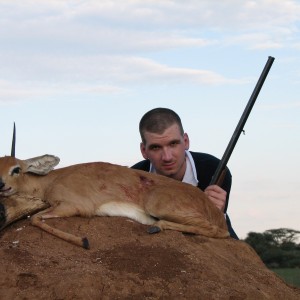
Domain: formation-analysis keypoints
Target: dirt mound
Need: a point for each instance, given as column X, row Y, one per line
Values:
column 125, row 262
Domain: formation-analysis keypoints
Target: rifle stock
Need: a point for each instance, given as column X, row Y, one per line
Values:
column 221, row 169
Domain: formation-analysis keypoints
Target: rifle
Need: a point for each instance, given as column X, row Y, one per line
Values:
column 219, row 175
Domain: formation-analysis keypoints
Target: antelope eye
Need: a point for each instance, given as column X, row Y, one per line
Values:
column 16, row 170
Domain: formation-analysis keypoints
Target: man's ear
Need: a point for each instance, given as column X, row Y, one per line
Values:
column 143, row 150
column 186, row 141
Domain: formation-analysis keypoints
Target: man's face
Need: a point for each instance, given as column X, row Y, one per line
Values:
column 166, row 151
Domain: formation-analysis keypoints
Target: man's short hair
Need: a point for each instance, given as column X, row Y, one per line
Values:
column 158, row 120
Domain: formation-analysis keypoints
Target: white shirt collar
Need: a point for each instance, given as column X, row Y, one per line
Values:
column 190, row 175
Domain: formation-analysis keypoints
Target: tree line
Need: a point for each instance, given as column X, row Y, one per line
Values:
column 278, row 248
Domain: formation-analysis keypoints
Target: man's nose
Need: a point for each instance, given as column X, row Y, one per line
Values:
column 166, row 154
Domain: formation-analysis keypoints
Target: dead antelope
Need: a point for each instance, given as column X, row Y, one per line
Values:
column 102, row 189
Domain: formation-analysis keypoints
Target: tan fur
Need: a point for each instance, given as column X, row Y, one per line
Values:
column 105, row 189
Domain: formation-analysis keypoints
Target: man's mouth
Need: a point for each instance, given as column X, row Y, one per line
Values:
column 169, row 165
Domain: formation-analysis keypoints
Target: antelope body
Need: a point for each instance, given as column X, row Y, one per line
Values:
column 103, row 189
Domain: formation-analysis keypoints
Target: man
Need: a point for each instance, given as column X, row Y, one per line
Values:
column 165, row 149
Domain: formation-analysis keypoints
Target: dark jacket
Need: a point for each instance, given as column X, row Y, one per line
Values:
column 206, row 166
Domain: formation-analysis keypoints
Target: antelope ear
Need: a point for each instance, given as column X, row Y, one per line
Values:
column 41, row 165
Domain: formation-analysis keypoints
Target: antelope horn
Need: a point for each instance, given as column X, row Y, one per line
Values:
column 13, row 145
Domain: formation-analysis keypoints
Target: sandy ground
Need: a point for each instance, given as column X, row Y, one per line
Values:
column 125, row 262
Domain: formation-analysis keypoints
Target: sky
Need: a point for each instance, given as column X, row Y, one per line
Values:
column 77, row 76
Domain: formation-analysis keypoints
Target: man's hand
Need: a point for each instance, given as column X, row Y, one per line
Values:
column 217, row 196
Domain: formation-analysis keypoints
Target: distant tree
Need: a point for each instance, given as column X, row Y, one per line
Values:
column 284, row 235
column 276, row 247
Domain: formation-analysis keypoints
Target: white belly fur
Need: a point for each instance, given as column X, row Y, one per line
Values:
column 129, row 210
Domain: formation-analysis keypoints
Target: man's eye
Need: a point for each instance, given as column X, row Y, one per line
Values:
column 16, row 170
column 154, row 147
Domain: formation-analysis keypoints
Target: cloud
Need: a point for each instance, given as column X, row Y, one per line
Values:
column 101, row 45
column 258, row 14
column 11, row 93
column 148, row 25
column 45, row 76
column 260, row 41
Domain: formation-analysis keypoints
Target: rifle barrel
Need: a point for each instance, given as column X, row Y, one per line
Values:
column 239, row 128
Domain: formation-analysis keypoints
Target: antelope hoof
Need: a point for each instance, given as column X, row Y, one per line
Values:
column 85, row 243
column 154, row 229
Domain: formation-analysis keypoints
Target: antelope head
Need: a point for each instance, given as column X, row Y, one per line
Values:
column 13, row 170
column 12, row 173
